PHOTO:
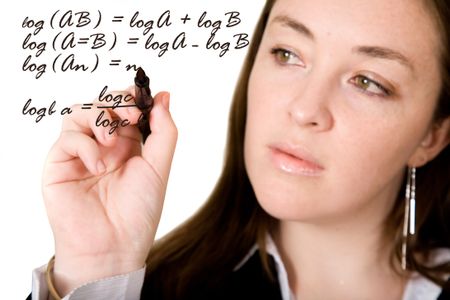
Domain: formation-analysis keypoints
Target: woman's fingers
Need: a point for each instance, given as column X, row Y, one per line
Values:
column 84, row 131
column 85, row 121
column 160, row 144
column 104, row 121
column 72, row 145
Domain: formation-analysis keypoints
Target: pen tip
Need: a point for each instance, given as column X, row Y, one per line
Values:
column 140, row 73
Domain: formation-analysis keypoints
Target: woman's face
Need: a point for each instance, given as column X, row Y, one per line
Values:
column 350, row 85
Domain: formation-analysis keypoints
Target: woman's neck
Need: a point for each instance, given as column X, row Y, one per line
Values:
column 337, row 262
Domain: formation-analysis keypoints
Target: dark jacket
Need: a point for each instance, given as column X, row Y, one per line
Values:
column 248, row 282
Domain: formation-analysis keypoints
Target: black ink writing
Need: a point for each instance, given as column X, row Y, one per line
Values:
column 39, row 25
column 163, row 21
column 101, row 122
column 33, row 45
column 81, row 18
column 41, row 112
column 117, row 100
column 32, row 67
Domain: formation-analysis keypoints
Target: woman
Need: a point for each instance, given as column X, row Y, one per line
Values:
column 338, row 129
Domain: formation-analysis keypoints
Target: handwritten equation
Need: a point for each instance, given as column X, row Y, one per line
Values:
column 77, row 42
column 105, row 100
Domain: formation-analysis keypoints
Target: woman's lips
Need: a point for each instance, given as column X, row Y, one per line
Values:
column 293, row 160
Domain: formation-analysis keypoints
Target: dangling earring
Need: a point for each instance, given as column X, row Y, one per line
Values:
column 409, row 221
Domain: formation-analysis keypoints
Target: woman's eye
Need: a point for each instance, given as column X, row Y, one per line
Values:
column 285, row 57
column 370, row 87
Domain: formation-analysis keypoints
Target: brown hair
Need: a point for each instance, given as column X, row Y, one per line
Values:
column 213, row 241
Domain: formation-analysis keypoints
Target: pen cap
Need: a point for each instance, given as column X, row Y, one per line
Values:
column 144, row 99
column 141, row 80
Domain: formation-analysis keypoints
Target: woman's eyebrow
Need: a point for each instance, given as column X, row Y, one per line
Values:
column 371, row 51
column 385, row 53
column 297, row 26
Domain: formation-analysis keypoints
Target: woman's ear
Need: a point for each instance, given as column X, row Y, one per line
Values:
column 436, row 139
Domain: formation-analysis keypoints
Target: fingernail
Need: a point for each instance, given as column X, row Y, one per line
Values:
column 101, row 167
column 166, row 100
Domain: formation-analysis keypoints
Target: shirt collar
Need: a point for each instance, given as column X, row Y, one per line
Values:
column 272, row 250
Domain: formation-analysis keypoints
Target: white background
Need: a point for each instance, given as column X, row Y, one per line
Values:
column 200, row 82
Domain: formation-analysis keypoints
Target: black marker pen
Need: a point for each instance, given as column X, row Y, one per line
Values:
column 144, row 101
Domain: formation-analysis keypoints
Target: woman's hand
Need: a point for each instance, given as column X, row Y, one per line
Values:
column 104, row 192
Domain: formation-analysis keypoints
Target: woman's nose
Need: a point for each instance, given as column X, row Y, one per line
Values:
column 310, row 107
